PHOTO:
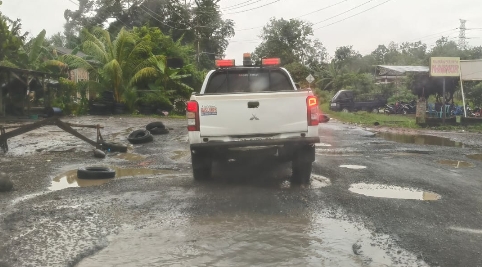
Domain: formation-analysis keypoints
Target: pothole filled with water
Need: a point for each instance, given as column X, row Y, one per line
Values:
column 390, row 191
column 322, row 145
column 179, row 154
column 420, row 139
column 130, row 156
column 475, row 157
column 353, row 167
column 70, row 179
column 456, row 163
column 317, row 181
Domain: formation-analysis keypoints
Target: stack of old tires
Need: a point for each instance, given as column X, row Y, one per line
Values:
column 145, row 136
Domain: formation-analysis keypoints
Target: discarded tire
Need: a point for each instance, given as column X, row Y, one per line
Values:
column 140, row 137
column 159, row 131
column 5, row 184
column 157, row 124
column 95, row 173
column 114, row 147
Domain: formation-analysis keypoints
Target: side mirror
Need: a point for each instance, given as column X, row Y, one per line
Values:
column 298, row 86
column 175, row 63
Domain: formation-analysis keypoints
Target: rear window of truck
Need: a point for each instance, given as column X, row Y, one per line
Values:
column 249, row 81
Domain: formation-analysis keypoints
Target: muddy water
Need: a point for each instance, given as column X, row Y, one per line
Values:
column 388, row 191
column 420, row 139
column 130, row 156
column 238, row 239
column 179, row 154
column 456, row 163
column 353, row 167
column 69, row 178
column 475, row 157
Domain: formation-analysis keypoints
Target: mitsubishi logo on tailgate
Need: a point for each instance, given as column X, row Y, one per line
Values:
column 254, row 118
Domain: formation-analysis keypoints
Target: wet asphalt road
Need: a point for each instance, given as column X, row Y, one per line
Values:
column 249, row 214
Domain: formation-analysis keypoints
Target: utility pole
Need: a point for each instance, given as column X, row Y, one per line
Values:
column 462, row 39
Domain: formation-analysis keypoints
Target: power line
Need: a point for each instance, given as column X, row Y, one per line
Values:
column 148, row 13
column 337, row 15
column 242, row 11
column 366, row 10
column 318, row 10
column 247, row 3
column 424, row 37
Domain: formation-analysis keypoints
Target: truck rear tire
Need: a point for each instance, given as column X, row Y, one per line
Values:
column 201, row 166
column 301, row 172
column 302, row 165
column 375, row 110
column 345, row 110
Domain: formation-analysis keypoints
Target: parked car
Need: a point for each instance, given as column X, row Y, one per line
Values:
column 346, row 101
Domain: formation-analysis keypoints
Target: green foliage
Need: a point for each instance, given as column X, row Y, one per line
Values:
column 402, row 94
column 368, row 119
column 65, row 96
column 475, row 95
column 292, row 41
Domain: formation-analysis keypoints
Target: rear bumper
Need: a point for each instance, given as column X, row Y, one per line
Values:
column 271, row 142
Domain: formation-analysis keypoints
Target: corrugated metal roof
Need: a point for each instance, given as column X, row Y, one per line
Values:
column 401, row 70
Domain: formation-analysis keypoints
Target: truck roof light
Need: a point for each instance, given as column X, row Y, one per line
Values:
column 270, row 62
column 224, row 63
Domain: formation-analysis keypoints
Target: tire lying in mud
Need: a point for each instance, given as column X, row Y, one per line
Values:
column 114, row 147
column 157, row 130
column 140, row 137
column 5, row 184
column 157, row 124
column 95, row 173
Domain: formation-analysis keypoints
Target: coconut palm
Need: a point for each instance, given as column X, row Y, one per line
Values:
column 111, row 62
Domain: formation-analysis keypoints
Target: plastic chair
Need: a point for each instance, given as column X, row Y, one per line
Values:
column 431, row 110
column 447, row 111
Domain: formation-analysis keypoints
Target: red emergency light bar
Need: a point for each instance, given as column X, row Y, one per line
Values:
column 224, row 63
column 270, row 61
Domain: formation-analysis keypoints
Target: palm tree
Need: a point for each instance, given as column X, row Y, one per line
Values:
column 111, row 62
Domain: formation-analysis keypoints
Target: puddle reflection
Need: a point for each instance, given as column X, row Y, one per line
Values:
column 253, row 239
column 70, row 179
column 475, row 157
column 353, row 167
column 456, row 163
column 420, row 139
column 389, row 191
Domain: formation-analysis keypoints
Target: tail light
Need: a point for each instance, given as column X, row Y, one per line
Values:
column 192, row 114
column 313, row 109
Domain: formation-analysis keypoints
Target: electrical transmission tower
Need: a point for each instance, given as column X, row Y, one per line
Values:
column 462, row 39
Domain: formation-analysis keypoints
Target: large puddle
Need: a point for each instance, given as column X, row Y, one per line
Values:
column 420, row 139
column 456, row 163
column 317, row 181
column 130, row 156
column 353, row 167
column 389, row 191
column 475, row 157
column 252, row 239
column 69, row 178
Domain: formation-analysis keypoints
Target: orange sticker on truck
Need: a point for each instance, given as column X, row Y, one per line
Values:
column 209, row 110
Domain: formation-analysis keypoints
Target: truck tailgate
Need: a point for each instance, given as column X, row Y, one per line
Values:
column 252, row 113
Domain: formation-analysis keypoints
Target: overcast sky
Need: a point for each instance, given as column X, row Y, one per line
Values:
column 395, row 20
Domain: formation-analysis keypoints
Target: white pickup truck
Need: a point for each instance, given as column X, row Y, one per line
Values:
column 245, row 108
